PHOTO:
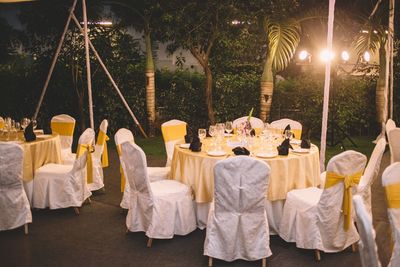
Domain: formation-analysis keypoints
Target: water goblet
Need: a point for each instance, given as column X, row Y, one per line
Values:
column 228, row 127
column 202, row 134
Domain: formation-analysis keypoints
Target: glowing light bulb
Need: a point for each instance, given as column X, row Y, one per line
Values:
column 326, row 55
column 367, row 56
column 345, row 56
column 303, row 55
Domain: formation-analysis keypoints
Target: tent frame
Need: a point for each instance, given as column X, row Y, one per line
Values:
column 88, row 44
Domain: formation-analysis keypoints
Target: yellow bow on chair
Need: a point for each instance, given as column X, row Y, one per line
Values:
column 89, row 162
column 349, row 181
column 121, row 170
column 102, row 141
column 393, row 195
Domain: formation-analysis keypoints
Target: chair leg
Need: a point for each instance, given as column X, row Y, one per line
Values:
column 317, row 255
column 354, row 247
column 149, row 242
column 210, row 261
column 26, row 228
column 264, row 262
column 76, row 209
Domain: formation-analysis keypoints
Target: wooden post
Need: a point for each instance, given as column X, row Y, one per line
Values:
column 111, row 80
column 88, row 74
column 53, row 63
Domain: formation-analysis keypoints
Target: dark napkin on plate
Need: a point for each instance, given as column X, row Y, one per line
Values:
column 189, row 135
column 241, row 151
column 195, row 145
column 29, row 134
column 283, row 149
column 305, row 141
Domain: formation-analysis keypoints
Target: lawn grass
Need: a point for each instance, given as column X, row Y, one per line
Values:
column 154, row 146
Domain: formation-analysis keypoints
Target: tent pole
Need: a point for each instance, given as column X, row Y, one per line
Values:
column 326, row 86
column 88, row 74
column 390, row 39
column 53, row 63
column 111, row 79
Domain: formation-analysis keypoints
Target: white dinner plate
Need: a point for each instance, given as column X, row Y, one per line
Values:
column 43, row 135
column 187, row 145
column 228, row 134
column 216, row 153
column 267, row 154
column 301, row 150
column 231, row 143
column 295, row 141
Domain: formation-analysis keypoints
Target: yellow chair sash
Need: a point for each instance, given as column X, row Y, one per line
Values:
column 173, row 132
column 1, row 124
column 393, row 196
column 349, row 181
column 121, row 171
column 63, row 128
column 89, row 162
column 297, row 133
column 102, row 141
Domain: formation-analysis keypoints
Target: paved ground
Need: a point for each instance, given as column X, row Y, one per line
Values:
column 97, row 237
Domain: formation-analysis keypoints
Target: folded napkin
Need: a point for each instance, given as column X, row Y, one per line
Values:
column 305, row 141
column 189, row 135
column 29, row 134
column 283, row 149
column 252, row 132
column 47, row 130
column 195, row 145
column 241, row 151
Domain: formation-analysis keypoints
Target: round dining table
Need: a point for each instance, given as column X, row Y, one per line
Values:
column 299, row 169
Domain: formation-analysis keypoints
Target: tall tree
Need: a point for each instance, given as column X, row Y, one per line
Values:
column 195, row 26
column 143, row 16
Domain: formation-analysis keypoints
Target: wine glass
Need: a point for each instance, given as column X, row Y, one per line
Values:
column 288, row 134
column 24, row 123
column 228, row 127
column 212, row 131
column 202, row 134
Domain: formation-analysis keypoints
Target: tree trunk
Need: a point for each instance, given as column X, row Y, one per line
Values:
column 266, row 90
column 208, row 94
column 150, row 86
column 380, row 88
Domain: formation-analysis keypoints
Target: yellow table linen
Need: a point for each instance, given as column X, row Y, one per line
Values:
column 294, row 171
column 46, row 149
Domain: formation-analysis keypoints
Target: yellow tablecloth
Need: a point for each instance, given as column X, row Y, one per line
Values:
column 46, row 149
column 287, row 172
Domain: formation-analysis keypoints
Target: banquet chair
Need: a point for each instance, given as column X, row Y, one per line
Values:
column 64, row 125
column 321, row 219
column 367, row 246
column 390, row 125
column 237, row 225
column 256, row 123
column 14, row 205
column 295, row 126
column 155, row 173
column 173, row 132
column 394, row 144
column 61, row 186
column 162, row 208
column 391, row 183
column 100, row 158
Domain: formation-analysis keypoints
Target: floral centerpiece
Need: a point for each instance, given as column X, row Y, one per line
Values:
column 245, row 127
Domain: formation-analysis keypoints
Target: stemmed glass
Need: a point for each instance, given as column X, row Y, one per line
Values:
column 24, row 123
column 212, row 130
column 228, row 127
column 288, row 134
column 202, row 134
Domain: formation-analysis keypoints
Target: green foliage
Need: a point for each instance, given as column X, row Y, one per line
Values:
column 351, row 103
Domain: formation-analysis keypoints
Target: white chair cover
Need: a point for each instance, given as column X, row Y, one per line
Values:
column 370, row 174
column 295, row 126
column 60, row 186
column 237, row 225
column 255, row 122
column 367, row 246
column 155, row 173
column 394, row 144
column 390, row 125
column 14, row 205
column 173, row 132
column 391, row 176
column 98, row 176
column 312, row 217
column 162, row 208
column 64, row 125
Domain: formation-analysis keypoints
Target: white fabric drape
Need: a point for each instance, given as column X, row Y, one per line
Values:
column 14, row 205
column 237, row 225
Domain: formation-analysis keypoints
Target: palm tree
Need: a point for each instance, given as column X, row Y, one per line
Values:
column 283, row 36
